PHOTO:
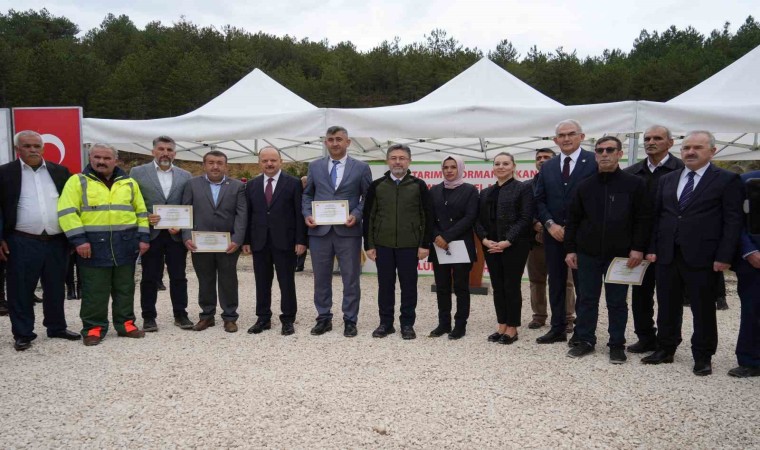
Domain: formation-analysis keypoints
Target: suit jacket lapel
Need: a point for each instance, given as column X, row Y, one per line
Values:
column 710, row 174
column 223, row 190
column 175, row 182
column 281, row 184
column 153, row 175
column 346, row 171
column 16, row 183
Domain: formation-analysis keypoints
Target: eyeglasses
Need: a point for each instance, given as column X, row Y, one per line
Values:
column 609, row 150
column 567, row 135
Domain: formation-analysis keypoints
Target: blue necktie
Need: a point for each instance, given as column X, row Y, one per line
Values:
column 398, row 182
column 687, row 192
column 334, row 174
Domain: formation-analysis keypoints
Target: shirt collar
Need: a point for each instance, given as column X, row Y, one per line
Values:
column 342, row 160
column 276, row 176
column 699, row 172
column 155, row 164
column 224, row 178
column 574, row 155
column 23, row 164
column 661, row 163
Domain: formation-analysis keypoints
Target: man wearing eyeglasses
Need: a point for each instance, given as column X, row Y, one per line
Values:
column 554, row 189
column 610, row 216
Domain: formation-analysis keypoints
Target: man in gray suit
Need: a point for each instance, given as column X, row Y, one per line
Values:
column 336, row 177
column 218, row 205
column 161, row 183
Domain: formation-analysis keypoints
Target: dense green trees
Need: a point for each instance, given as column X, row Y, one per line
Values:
column 120, row 71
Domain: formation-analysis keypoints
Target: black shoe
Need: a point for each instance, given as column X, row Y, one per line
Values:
column 573, row 341
column 299, row 269
column 658, row 357
column 702, row 367
column 617, row 355
column 744, row 372
column 71, row 295
column 287, row 329
column 149, row 325
column 494, row 337
column 552, row 337
column 260, row 326
column 21, row 344
column 407, row 333
column 37, row 299
column 183, row 322
column 322, row 327
column 349, row 329
column 381, row 331
column 721, row 304
column 507, row 339
column 440, row 330
column 580, row 350
column 3, row 309
column 161, row 286
column 643, row 346
column 458, row 332
column 65, row 334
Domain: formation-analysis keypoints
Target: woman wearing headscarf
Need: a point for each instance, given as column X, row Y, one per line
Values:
column 504, row 227
column 455, row 205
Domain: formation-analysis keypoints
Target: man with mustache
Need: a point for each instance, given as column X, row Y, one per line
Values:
column 31, row 240
column 698, row 221
column 162, row 183
column 103, row 215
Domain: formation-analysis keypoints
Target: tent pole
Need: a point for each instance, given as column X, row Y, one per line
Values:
column 633, row 142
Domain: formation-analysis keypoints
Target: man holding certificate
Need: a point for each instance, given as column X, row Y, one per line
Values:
column 219, row 221
column 610, row 216
column 162, row 183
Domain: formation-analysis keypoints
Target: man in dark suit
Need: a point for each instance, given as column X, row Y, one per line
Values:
column 554, row 190
column 698, row 221
column 32, row 240
column 218, row 205
column 657, row 143
column 336, row 177
column 276, row 233
column 162, row 183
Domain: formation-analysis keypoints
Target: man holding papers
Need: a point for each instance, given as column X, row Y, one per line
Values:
column 162, row 183
column 610, row 216
column 220, row 214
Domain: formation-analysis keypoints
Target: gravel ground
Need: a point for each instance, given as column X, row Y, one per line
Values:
column 208, row 389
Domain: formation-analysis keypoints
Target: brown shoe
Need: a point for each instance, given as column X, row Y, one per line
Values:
column 89, row 341
column 203, row 324
column 230, row 326
column 535, row 324
column 135, row 334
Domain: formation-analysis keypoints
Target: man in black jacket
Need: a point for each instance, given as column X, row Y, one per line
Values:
column 610, row 216
column 657, row 143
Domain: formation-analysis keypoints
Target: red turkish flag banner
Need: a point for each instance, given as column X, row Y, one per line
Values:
column 61, row 130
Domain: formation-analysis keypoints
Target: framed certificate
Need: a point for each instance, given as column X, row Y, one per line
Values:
column 174, row 216
column 619, row 273
column 330, row 212
column 211, row 241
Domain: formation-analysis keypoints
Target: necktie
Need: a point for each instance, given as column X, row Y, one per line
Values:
column 268, row 191
column 334, row 174
column 398, row 182
column 687, row 192
column 566, row 169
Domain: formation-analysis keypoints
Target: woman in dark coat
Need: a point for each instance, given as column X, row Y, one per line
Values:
column 456, row 207
column 504, row 227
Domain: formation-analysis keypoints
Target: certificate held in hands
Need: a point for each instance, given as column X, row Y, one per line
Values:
column 174, row 216
column 620, row 273
column 211, row 241
column 330, row 212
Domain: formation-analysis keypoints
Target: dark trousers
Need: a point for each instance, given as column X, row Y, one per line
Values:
column 390, row 261
column 29, row 261
column 506, row 270
column 265, row 262
column 98, row 285
column 73, row 277
column 642, row 307
column 748, row 343
column 213, row 267
column 591, row 271
column 164, row 248
column 557, row 268
column 459, row 276
column 700, row 284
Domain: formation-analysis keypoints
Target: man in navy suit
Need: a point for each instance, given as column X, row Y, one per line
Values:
column 698, row 221
column 554, row 190
column 336, row 177
column 276, row 234
column 747, row 268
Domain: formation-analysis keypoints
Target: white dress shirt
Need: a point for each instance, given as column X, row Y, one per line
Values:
column 38, row 201
column 661, row 163
column 165, row 178
column 684, row 179
column 573, row 159
column 339, row 170
column 275, row 178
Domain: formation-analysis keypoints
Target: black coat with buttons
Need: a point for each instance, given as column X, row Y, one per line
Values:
column 455, row 212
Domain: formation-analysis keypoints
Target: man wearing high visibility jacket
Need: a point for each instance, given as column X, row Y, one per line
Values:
column 103, row 215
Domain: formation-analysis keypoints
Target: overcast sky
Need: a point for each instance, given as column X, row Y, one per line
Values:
column 589, row 26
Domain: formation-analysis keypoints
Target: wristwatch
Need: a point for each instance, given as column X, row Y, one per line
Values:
column 548, row 224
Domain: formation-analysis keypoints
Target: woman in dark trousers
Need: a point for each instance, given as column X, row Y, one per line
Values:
column 504, row 227
column 455, row 204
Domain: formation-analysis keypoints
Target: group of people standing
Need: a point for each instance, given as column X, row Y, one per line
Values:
column 580, row 211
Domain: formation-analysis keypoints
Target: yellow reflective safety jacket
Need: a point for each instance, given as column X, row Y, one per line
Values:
column 113, row 221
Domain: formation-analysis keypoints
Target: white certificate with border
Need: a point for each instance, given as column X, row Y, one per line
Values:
column 333, row 212
column 455, row 254
column 211, row 241
column 619, row 273
column 174, row 216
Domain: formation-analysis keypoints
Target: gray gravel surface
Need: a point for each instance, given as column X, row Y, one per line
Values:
column 188, row 389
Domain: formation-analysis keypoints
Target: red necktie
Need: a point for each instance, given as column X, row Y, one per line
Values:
column 268, row 192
